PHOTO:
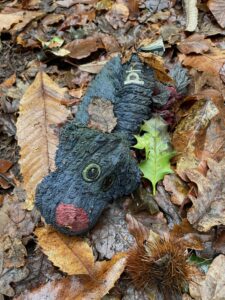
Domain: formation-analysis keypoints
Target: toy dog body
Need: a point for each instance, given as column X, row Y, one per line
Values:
column 93, row 168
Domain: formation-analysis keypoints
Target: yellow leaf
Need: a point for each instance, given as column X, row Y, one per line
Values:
column 71, row 254
column 40, row 109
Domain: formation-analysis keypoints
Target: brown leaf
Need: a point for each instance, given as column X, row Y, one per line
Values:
column 137, row 229
column 81, row 48
column 71, row 254
column 213, row 287
column 187, row 132
column 18, row 18
column 5, row 165
column 195, row 43
column 189, row 237
column 210, row 62
column 68, row 3
column 82, row 288
column 209, row 205
column 101, row 115
column 93, row 67
column 156, row 62
column 40, row 110
column 118, row 15
column 177, row 187
column 217, row 8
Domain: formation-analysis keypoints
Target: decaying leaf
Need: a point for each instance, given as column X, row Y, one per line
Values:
column 93, row 67
column 213, row 287
column 209, row 205
column 187, row 133
column 155, row 142
column 156, row 62
column 209, row 62
column 81, row 48
column 40, row 110
column 195, row 43
column 176, row 187
column 191, row 14
column 217, row 8
column 137, row 229
column 82, row 288
column 71, row 254
column 117, row 15
column 101, row 115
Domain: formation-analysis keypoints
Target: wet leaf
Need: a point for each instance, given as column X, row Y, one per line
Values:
column 101, row 115
column 81, row 48
column 209, row 205
column 155, row 142
column 71, row 254
column 217, row 8
column 195, row 43
column 82, row 288
column 40, row 110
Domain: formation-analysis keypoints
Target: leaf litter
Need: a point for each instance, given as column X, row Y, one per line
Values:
column 74, row 39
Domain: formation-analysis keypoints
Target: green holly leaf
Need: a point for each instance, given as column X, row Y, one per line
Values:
column 158, row 152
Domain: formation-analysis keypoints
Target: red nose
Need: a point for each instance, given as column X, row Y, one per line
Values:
column 72, row 217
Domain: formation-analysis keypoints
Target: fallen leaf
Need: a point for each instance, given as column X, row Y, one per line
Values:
column 118, row 15
column 101, row 115
column 208, row 62
column 195, row 43
column 189, row 236
column 213, row 287
column 133, row 6
column 68, row 3
column 82, row 288
column 8, row 83
column 15, row 20
column 156, row 62
column 176, row 187
column 156, row 143
column 187, row 132
column 57, row 246
column 40, row 110
column 137, row 229
column 81, row 48
column 11, row 276
column 5, row 165
column 209, row 205
column 111, row 234
column 93, row 67
column 217, row 8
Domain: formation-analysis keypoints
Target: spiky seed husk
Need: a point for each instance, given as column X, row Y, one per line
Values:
column 160, row 266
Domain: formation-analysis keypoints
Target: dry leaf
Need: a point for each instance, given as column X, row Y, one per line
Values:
column 210, row 62
column 68, row 3
column 93, row 67
column 118, row 15
column 156, row 62
column 217, row 8
column 81, row 48
column 213, row 287
column 82, row 288
column 195, row 43
column 191, row 14
column 71, row 254
column 137, row 229
column 209, row 205
column 187, row 133
column 176, row 187
column 17, row 19
column 101, row 115
column 40, row 110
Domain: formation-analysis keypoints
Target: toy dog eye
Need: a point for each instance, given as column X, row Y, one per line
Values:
column 91, row 172
column 108, row 182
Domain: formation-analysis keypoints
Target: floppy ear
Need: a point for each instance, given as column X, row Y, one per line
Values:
column 105, row 86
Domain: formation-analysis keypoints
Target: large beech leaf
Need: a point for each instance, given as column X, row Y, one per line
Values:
column 71, row 254
column 158, row 153
column 82, row 288
column 209, row 205
column 40, row 110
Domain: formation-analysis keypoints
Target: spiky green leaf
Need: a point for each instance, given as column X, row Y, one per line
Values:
column 156, row 143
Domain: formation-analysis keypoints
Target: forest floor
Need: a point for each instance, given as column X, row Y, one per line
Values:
column 52, row 50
